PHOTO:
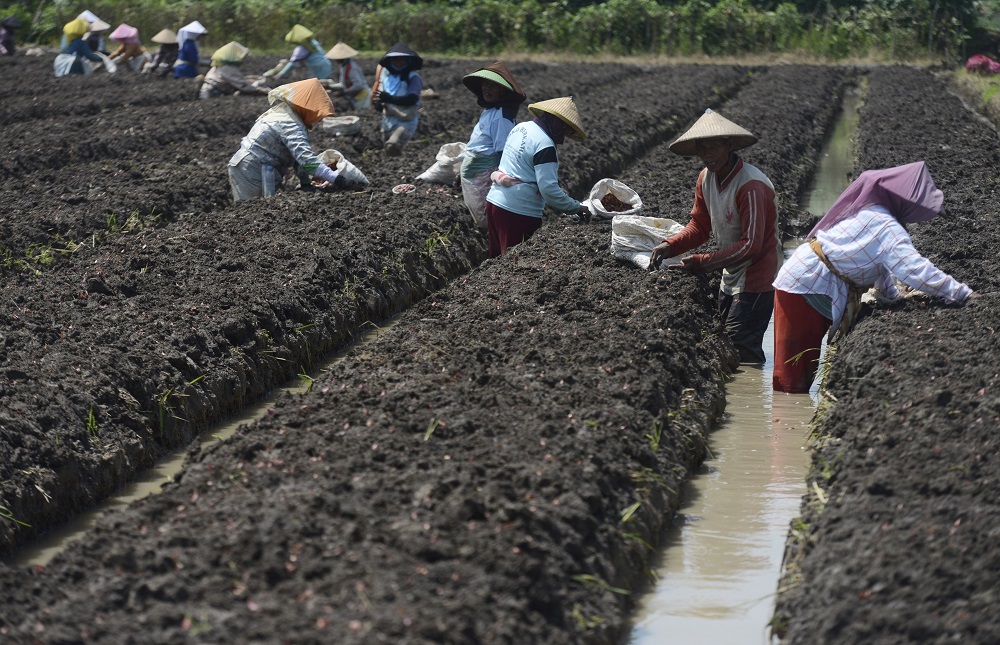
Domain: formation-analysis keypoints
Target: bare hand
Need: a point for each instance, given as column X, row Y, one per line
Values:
column 660, row 253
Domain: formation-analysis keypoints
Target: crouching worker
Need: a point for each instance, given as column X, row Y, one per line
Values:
column 279, row 140
column 225, row 78
column 73, row 57
column 736, row 201
column 861, row 242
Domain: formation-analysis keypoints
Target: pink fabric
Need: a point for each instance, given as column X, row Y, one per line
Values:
column 908, row 192
column 124, row 33
column 982, row 64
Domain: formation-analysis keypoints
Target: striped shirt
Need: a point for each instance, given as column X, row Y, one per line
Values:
column 742, row 210
column 871, row 248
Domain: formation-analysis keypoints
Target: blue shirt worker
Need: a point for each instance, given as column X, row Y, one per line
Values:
column 528, row 178
column 308, row 56
column 396, row 95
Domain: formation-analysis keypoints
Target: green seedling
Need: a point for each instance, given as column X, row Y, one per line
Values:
column 431, row 427
column 630, row 511
column 655, row 436
column 585, row 622
column 594, row 581
column 5, row 513
column 92, row 427
column 308, row 380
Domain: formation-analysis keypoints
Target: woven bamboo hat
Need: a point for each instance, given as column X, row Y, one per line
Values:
column 165, row 37
column 565, row 109
column 232, row 53
column 712, row 125
column 298, row 35
column 341, row 51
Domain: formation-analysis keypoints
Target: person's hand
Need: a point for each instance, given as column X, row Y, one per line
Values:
column 377, row 101
column 659, row 254
column 583, row 215
column 687, row 264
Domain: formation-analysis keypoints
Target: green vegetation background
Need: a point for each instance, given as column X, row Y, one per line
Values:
column 832, row 29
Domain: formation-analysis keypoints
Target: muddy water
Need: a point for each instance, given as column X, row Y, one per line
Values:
column 722, row 557
column 152, row 481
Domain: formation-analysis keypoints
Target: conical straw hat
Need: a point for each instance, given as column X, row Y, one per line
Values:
column 712, row 125
column 165, row 37
column 565, row 109
column 341, row 51
column 231, row 52
column 298, row 34
column 99, row 25
column 76, row 28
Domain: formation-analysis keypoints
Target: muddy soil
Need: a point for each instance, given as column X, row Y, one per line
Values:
column 897, row 543
column 495, row 467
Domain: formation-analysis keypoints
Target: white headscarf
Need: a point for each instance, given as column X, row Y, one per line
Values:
column 189, row 31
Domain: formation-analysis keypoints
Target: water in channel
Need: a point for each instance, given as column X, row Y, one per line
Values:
column 718, row 570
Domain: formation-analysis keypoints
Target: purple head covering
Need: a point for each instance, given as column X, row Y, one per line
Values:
column 908, row 192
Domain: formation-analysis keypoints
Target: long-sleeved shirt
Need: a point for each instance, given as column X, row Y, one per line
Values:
column 314, row 60
column 280, row 139
column 229, row 79
column 354, row 84
column 164, row 59
column 870, row 249
column 529, row 156
column 187, row 60
column 78, row 47
column 491, row 132
column 126, row 52
column 742, row 210
column 6, row 42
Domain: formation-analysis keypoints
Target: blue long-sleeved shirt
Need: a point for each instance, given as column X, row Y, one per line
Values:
column 79, row 48
column 530, row 157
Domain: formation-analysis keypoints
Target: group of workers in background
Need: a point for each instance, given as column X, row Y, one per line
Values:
column 509, row 175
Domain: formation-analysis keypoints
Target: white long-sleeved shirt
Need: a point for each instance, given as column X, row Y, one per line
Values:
column 871, row 248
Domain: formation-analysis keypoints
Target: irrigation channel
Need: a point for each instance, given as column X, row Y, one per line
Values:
column 722, row 557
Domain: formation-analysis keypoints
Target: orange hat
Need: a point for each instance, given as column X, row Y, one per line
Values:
column 308, row 98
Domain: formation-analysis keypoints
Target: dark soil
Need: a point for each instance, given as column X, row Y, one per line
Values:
column 466, row 477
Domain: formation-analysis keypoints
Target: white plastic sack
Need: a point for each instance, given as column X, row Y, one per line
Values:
column 633, row 238
column 337, row 161
column 619, row 190
column 110, row 66
column 342, row 126
column 447, row 166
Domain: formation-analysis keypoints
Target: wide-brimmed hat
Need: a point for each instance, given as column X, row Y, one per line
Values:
column 565, row 109
column 341, row 51
column 165, row 37
column 125, row 33
column 712, row 125
column 487, row 75
column 76, row 28
column 191, row 31
column 230, row 53
column 298, row 34
column 308, row 98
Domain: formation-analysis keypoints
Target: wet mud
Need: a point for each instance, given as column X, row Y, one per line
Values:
column 496, row 467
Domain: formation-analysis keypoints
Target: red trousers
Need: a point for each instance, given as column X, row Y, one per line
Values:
column 508, row 229
column 798, row 338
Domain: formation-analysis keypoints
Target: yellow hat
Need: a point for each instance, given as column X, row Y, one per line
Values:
column 341, row 51
column 711, row 125
column 231, row 52
column 565, row 109
column 76, row 28
column 298, row 35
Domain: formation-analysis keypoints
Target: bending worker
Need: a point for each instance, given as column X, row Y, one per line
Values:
column 308, row 56
column 737, row 202
column 351, row 82
column 861, row 242
column 226, row 78
column 528, row 177
column 279, row 140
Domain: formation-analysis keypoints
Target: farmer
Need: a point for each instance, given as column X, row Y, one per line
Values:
column 165, row 57
column 308, row 56
column 73, row 57
column 736, row 201
column 352, row 83
column 500, row 96
column 7, row 27
column 93, row 37
column 279, row 140
column 225, row 78
column 861, row 242
column 528, row 176
column 188, row 58
column 396, row 94
column 130, row 49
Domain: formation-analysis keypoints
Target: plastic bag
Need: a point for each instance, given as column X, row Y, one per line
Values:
column 633, row 238
column 447, row 166
column 341, row 126
column 110, row 66
column 622, row 192
column 351, row 173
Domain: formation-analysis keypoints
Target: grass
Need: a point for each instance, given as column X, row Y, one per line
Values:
column 594, row 581
column 6, row 514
